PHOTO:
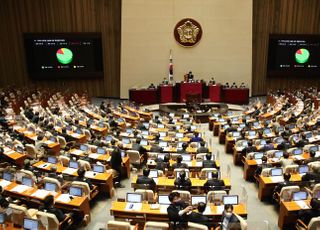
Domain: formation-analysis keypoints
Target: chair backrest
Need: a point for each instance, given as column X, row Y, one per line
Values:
column 85, row 164
column 18, row 214
column 291, row 169
column 53, row 180
column 160, row 173
column 193, row 144
column 290, row 150
column 316, row 189
column 179, row 170
column 147, row 194
column 152, row 225
column 48, row 221
column 216, row 196
column 87, row 133
column 270, row 153
column 314, row 223
column 204, row 171
column 265, row 172
column 195, row 226
column 84, row 186
column 200, row 156
column 286, row 192
column 250, row 156
column 64, row 160
column 185, row 195
column 118, row 225
column 152, row 156
column 62, row 141
column 243, row 223
column 31, row 151
column 174, row 156
column 134, row 156
column 28, row 173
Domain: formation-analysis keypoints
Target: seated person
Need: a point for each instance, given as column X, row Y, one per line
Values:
column 198, row 217
column 262, row 166
column 234, row 85
column 208, row 163
column 47, row 206
column 196, row 138
column 53, row 174
column 81, row 172
column 151, row 86
column 250, row 148
column 163, row 164
column 312, row 157
column 144, row 179
column 179, row 163
column 242, row 85
column 136, row 146
column 214, row 181
column 314, row 175
column 283, row 184
column 182, row 181
column 229, row 219
column 307, row 215
column 285, row 161
column 202, row 149
column 184, row 149
column 178, row 211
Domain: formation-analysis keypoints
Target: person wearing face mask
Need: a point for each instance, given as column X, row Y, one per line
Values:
column 229, row 219
column 178, row 211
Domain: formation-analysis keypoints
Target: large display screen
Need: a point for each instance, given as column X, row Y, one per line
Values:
column 294, row 55
column 67, row 55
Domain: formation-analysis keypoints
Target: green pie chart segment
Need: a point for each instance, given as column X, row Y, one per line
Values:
column 64, row 56
column 302, row 56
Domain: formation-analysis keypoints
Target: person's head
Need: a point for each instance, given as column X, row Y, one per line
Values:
column 64, row 130
column 286, row 176
column 113, row 142
column 184, row 146
column 312, row 153
column 285, row 155
column 156, row 117
column 4, row 203
column 202, row 143
column 146, row 172
column 208, row 156
column 166, row 158
column 81, row 172
column 201, row 207
column 182, row 175
column 196, row 134
column 264, row 159
column 157, row 137
column 314, row 203
column 228, row 210
column 215, row 175
column 174, row 198
column 179, row 159
column 48, row 201
column 138, row 140
column 53, row 169
column 26, row 163
column 40, row 136
column 250, row 143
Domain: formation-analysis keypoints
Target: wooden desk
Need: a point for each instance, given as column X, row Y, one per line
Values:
column 118, row 210
column 167, row 184
column 229, row 143
column 288, row 214
column 266, row 185
column 13, row 156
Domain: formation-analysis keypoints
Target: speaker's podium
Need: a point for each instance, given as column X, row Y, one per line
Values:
column 166, row 93
column 191, row 88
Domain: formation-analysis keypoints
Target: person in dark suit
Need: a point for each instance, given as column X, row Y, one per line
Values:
column 281, row 185
column 229, row 219
column 202, row 149
column 53, row 174
column 312, row 176
column 136, row 146
column 179, row 163
column 144, row 179
column 47, row 206
column 116, row 163
column 307, row 215
column 312, row 157
column 196, row 138
column 182, row 182
column 156, row 120
column 35, row 119
column 262, row 166
column 65, row 135
column 214, row 182
column 163, row 164
column 178, row 211
column 208, row 163
column 184, row 149
column 156, row 148
column 250, row 148
column 198, row 217
column 82, row 178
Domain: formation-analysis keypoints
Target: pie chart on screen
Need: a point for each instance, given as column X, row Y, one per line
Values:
column 64, row 55
column 302, row 56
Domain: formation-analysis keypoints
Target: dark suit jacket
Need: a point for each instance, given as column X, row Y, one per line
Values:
column 182, row 183
column 179, row 166
column 173, row 213
column 281, row 185
column 234, row 222
column 202, row 150
column 145, row 180
column 57, row 212
column 182, row 151
column 116, row 161
column 214, row 182
column 156, row 149
column 307, row 215
column 209, row 164
column 199, row 218
column 311, row 176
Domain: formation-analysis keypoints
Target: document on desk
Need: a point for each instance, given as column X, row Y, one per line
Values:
column 64, row 198
column 220, row 209
column 302, row 204
column 70, row 171
column 6, row 149
column 20, row 188
column 94, row 155
column 155, row 180
column 41, row 193
column 48, row 142
column 9, row 152
column 189, row 163
column 77, row 152
column 207, row 211
column 259, row 161
column 277, row 179
column 90, row 174
column 298, row 157
column 317, row 154
column 199, row 164
column 133, row 206
column 163, row 208
column 4, row 183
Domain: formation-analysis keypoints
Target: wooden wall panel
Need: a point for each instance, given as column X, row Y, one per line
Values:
column 19, row 16
column 280, row 16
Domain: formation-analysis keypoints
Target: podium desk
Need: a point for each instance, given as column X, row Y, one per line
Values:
column 166, row 93
column 236, row 95
column 144, row 96
column 185, row 88
column 215, row 93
